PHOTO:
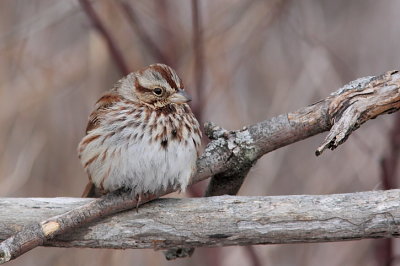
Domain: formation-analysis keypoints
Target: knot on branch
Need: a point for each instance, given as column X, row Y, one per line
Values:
column 359, row 101
column 240, row 154
column 5, row 256
column 175, row 253
column 213, row 131
column 238, row 143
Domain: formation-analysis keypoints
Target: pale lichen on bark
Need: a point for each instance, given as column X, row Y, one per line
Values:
column 358, row 84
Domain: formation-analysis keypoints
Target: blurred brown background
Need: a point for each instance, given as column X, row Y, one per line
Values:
column 243, row 61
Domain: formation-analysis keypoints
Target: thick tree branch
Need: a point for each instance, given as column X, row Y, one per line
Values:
column 233, row 152
column 220, row 221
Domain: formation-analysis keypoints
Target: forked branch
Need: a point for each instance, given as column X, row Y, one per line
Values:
column 231, row 153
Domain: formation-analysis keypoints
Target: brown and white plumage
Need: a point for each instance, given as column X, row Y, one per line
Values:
column 142, row 135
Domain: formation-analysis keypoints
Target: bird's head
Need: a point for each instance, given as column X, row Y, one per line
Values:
column 157, row 86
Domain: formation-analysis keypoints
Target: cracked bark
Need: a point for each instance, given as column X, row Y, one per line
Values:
column 219, row 221
column 234, row 152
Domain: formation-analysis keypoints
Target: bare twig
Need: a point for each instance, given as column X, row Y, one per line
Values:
column 198, row 60
column 135, row 24
column 253, row 256
column 230, row 183
column 389, row 165
column 112, row 46
column 233, row 152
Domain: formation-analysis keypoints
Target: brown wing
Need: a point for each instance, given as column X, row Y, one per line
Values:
column 102, row 105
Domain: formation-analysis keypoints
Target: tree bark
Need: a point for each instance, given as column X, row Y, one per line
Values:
column 219, row 221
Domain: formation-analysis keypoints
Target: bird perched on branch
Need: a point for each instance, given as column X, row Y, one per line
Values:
column 141, row 136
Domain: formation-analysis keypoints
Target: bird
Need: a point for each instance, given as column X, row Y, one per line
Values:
column 141, row 136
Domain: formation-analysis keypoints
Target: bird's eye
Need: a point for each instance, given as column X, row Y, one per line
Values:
column 157, row 91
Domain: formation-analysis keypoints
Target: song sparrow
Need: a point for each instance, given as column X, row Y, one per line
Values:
column 141, row 136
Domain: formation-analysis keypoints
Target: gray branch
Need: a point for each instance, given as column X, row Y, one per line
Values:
column 232, row 153
column 219, row 221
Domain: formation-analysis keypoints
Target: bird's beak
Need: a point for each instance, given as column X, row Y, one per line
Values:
column 180, row 96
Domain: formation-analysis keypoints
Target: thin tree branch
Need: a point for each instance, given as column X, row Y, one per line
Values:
column 389, row 165
column 252, row 254
column 235, row 151
column 135, row 24
column 220, row 221
column 111, row 44
column 230, row 183
column 198, row 53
